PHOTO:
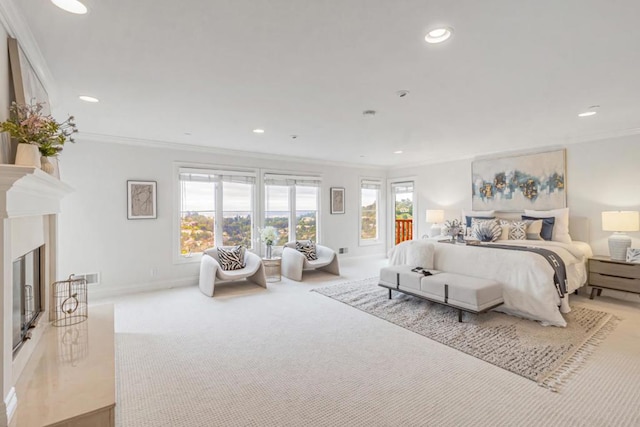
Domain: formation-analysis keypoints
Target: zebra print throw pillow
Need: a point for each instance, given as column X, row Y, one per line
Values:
column 231, row 258
column 485, row 230
column 308, row 249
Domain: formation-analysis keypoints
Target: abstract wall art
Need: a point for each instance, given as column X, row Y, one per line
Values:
column 141, row 200
column 515, row 183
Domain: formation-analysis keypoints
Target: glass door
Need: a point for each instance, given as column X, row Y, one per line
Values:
column 403, row 207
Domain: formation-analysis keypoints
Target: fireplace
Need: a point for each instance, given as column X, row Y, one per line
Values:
column 27, row 302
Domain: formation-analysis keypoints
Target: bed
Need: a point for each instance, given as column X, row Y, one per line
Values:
column 529, row 290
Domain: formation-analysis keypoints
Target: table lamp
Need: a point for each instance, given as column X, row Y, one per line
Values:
column 619, row 222
column 435, row 217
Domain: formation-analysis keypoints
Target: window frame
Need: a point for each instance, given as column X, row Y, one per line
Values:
column 178, row 168
column 379, row 238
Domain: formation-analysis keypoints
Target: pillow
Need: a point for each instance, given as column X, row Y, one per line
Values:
column 469, row 215
column 547, row 226
column 231, row 258
column 517, row 230
column 308, row 249
column 485, row 230
column 505, row 231
column 561, row 226
column 534, row 228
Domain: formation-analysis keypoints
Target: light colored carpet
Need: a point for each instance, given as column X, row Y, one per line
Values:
column 285, row 356
column 547, row 355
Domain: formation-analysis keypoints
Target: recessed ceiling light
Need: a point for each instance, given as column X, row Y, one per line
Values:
column 438, row 35
column 72, row 6
column 258, row 131
column 591, row 111
column 397, row 152
column 86, row 98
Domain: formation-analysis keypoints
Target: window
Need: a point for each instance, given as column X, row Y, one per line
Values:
column 369, row 210
column 291, row 202
column 216, row 209
column 403, row 208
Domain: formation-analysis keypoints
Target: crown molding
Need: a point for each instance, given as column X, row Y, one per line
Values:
column 16, row 26
column 148, row 143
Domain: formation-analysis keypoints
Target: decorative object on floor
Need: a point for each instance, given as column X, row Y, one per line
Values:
column 141, row 200
column 633, row 255
column 619, row 222
column 337, row 200
column 514, row 183
column 211, row 271
column 546, row 355
column 269, row 235
column 453, row 229
column 69, row 301
column 37, row 133
column 435, row 217
column 295, row 262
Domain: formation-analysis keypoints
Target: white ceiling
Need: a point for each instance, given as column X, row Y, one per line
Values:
column 514, row 75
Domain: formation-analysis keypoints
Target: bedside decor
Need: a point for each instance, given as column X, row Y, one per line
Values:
column 435, row 217
column 337, row 200
column 530, row 181
column 633, row 256
column 453, row 228
column 141, row 200
column 619, row 222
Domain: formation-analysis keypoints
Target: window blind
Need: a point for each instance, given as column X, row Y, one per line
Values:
column 370, row 184
column 199, row 175
column 289, row 180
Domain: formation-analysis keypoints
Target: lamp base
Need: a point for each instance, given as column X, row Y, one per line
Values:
column 436, row 230
column 618, row 244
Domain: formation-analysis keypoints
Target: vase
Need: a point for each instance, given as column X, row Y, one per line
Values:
column 47, row 165
column 268, row 255
column 28, row 155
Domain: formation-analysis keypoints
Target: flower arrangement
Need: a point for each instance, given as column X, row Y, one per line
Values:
column 268, row 235
column 453, row 228
column 29, row 125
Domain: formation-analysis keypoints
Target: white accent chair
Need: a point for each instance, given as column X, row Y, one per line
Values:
column 294, row 262
column 211, row 271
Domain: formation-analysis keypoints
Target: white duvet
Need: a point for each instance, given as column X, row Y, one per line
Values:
column 527, row 278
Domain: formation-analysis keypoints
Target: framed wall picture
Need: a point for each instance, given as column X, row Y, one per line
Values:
column 141, row 200
column 514, row 183
column 337, row 200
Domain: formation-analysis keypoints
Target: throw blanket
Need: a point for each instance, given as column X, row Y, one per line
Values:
column 559, row 269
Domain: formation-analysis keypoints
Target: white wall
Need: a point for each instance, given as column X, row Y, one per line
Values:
column 95, row 235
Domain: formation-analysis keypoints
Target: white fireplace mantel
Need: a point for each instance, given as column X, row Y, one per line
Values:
column 30, row 200
column 28, row 191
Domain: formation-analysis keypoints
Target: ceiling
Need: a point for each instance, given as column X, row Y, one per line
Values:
column 514, row 75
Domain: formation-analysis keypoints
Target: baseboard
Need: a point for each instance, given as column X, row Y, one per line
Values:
column 101, row 291
column 10, row 404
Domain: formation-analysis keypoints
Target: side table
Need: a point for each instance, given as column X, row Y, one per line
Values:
column 272, row 269
column 605, row 273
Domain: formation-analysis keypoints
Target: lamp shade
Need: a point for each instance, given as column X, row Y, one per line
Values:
column 621, row 221
column 435, row 216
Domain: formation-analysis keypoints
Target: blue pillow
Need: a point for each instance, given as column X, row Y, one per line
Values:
column 468, row 219
column 547, row 226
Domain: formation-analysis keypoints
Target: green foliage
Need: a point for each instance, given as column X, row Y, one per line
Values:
column 404, row 209
column 29, row 125
column 369, row 222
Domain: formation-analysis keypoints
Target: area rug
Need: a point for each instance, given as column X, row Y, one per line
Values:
column 547, row 355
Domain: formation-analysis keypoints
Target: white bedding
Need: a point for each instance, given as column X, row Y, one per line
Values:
column 527, row 278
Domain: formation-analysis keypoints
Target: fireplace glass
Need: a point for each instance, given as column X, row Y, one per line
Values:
column 26, row 296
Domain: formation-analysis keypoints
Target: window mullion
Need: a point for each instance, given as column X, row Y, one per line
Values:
column 292, row 213
column 219, row 214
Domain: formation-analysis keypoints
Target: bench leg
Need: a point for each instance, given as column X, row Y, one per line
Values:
column 389, row 293
column 460, row 316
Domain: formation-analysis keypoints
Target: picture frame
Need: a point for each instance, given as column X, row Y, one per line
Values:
column 633, row 255
column 520, row 181
column 337, row 200
column 142, row 200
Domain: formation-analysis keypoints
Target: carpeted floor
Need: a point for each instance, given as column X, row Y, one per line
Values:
column 285, row 356
column 549, row 356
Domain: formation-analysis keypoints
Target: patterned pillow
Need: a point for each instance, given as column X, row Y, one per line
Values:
column 231, row 258
column 308, row 249
column 517, row 229
column 485, row 230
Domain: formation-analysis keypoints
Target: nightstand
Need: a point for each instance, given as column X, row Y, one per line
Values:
column 604, row 273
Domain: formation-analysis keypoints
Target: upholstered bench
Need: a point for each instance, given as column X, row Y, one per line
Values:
column 465, row 293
